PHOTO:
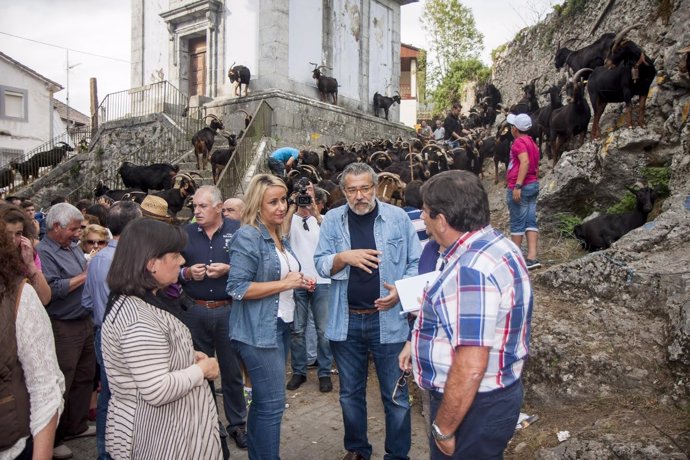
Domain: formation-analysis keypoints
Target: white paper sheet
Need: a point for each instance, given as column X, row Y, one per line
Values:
column 410, row 290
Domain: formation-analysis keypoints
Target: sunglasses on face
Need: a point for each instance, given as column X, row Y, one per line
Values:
column 97, row 242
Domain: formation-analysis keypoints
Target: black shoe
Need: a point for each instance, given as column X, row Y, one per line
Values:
column 325, row 385
column 296, row 381
column 240, row 437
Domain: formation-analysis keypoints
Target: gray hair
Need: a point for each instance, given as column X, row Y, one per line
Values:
column 62, row 214
column 213, row 192
column 357, row 169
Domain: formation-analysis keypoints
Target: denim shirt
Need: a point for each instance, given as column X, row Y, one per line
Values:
column 253, row 258
column 396, row 238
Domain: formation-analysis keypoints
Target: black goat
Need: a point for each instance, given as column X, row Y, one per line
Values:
column 529, row 102
column 544, row 117
column 602, row 231
column 632, row 74
column 203, row 140
column 336, row 158
column 184, row 189
column 384, row 102
column 241, row 75
column 7, row 176
column 43, row 159
column 568, row 121
column 590, row 56
column 326, row 85
column 131, row 194
column 220, row 157
column 158, row 176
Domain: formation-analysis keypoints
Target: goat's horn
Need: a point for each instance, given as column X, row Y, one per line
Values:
column 233, row 64
column 620, row 35
column 314, row 64
column 580, row 72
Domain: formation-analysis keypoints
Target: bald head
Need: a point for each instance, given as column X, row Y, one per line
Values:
column 233, row 208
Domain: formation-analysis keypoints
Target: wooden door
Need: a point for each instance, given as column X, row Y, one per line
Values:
column 197, row 66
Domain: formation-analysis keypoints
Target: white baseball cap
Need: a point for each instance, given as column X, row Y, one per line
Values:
column 522, row 121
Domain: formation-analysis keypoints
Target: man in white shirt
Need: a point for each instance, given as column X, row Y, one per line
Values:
column 304, row 218
column 439, row 133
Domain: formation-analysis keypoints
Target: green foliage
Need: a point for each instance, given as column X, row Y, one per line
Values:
column 658, row 178
column 570, row 8
column 497, row 51
column 461, row 72
column 566, row 222
column 452, row 34
column 626, row 204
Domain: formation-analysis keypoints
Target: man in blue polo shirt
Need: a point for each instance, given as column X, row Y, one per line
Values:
column 282, row 159
column 204, row 278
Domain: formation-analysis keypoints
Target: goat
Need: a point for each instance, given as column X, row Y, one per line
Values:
column 336, row 158
column 544, row 116
column 184, row 189
column 203, row 140
column 590, row 56
column 384, row 102
column 326, row 85
column 602, row 231
column 631, row 75
column 46, row 158
column 131, row 194
column 568, row 121
column 241, row 75
column 7, row 176
column 221, row 157
column 529, row 103
column 158, row 176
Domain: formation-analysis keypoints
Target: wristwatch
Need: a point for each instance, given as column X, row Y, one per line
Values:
column 518, row 186
column 436, row 433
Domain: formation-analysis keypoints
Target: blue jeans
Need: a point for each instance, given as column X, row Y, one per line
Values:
column 317, row 302
column 523, row 215
column 352, row 356
column 277, row 167
column 210, row 333
column 487, row 427
column 103, row 400
column 266, row 367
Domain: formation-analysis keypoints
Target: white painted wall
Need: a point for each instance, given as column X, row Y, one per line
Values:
column 241, row 40
column 157, row 43
column 37, row 129
column 305, row 39
column 408, row 112
column 347, row 31
column 380, row 52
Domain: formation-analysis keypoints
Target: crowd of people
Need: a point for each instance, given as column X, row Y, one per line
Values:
column 121, row 301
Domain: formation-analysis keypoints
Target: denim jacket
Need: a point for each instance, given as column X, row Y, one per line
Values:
column 253, row 258
column 396, row 238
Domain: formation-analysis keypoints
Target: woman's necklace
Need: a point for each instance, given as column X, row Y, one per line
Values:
column 287, row 259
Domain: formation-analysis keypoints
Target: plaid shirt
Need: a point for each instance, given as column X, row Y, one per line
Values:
column 483, row 297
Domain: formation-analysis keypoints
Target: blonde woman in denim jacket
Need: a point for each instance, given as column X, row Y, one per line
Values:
column 263, row 274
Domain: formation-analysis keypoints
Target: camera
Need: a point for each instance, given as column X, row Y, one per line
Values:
column 303, row 198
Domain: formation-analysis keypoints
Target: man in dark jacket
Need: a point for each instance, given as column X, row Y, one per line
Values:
column 452, row 125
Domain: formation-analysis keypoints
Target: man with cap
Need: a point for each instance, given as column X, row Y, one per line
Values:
column 155, row 207
column 522, row 180
column 204, row 277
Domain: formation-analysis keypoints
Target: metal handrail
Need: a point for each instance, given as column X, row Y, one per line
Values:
column 230, row 179
column 161, row 97
column 75, row 136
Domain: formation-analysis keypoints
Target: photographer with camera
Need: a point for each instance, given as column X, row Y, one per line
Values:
column 304, row 220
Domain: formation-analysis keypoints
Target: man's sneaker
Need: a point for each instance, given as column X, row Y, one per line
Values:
column 296, row 381
column 90, row 431
column 62, row 452
column 325, row 385
column 532, row 264
column 239, row 434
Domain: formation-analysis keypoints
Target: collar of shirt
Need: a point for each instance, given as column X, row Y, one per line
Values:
column 464, row 241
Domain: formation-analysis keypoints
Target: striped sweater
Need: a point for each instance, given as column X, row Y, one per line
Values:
column 161, row 406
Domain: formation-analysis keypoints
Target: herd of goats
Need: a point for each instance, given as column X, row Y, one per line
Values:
column 613, row 69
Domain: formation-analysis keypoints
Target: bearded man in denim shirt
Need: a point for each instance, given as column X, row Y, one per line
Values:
column 364, row 247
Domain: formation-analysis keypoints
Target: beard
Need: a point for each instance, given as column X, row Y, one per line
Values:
column 362, row 208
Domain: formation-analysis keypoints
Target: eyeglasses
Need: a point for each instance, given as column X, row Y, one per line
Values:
column 304, row 223
column 352, row 191
column 399, row 385
column 97, row 242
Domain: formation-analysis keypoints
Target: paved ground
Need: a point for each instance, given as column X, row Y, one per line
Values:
column 313, row 427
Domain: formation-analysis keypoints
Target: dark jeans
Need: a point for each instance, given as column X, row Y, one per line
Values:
column 317, row 302
column 352, row 356
column 103, row 400
column 210, row 333
column 266, row 367
column 277, row 167
column 77, row 360
column 487, row 427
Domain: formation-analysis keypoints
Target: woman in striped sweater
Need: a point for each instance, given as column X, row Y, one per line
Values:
column 161, row 406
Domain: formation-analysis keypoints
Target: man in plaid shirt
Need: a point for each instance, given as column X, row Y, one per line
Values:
column 471, row 338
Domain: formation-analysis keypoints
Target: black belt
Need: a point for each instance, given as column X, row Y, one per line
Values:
column 213, row 303
column 363, row 311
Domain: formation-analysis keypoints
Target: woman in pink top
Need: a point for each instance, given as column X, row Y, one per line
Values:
column 523, row 187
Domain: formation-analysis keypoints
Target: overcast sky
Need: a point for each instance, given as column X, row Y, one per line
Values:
column 102, row 27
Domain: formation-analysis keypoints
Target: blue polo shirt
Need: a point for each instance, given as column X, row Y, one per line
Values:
column 284, row 154
column 202, row 250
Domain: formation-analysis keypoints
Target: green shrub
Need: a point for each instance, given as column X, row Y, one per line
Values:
column 566, row 222
column 626, row 204
column 658, row 178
